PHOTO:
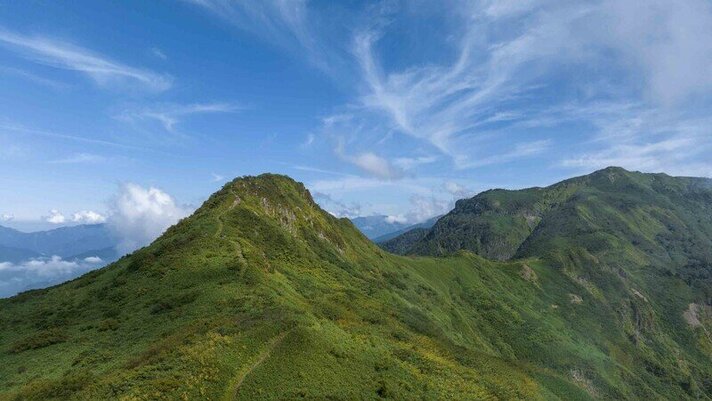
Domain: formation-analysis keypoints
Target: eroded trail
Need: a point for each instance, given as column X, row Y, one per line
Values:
column 221, row 225
column 242, row 375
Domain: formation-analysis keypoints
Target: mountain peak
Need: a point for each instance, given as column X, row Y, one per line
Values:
column 266, row 219
column 268, row 186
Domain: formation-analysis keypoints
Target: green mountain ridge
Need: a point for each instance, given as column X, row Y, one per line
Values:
column 261, row 295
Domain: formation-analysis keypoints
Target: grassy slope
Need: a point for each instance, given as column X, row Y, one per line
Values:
column 261, row 295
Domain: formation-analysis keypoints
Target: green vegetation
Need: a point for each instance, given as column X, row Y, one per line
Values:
column 260, row 295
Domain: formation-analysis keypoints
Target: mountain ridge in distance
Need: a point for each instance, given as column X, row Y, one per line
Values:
column 422, row 225
column 63, row 241
column 261, row 295
column 376, row 226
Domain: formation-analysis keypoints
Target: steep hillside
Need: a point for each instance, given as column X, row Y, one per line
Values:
column 260, row 295
column 403, row 243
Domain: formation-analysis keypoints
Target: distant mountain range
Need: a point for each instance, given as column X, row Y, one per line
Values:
column 378, row 228
column 66, row 242
column 377, row 225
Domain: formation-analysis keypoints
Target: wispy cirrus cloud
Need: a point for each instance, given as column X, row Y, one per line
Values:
column 282, row 22
column 170, row 115
column 518, row 151
column 508, row 94
column 46, row 82
column 79, row 158
column 648, row 139
column 100, row 69
column 449, row 105
column 22, row 129
column 159, row 53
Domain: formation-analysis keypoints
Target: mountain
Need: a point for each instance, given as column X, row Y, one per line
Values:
column 422, row 225
column 261, row 295
column 63, row 241
column 401, row 244
column 44, row 258
column 16, row 255
column 376, row 226
column 502, row 224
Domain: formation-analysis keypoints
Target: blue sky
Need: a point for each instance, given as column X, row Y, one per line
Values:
column 387, row 107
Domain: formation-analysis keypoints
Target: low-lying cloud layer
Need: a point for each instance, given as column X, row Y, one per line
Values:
column 42, row 272
column 136, row 217
column 80, row 217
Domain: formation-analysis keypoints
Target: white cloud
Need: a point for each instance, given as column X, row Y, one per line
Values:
column 139, row 215
column 83, row 217
column 88, row 217
column 396, row 219
column 336, row 207
column 41, row 272
column 409, row 163
column 217, row 177
column 375, row 165
column 283, row 22
column 159, row 53
column 49, row 83
column 422, row 197
column 669, row 41
column 510, row 54
column 5, row 217
column 456, row 190
column 447, row 105
column 55, row 217
column 520, row 150
column 648, row 139
column 79, row 158
column 70, row 57
column 93, row 259
column 425, row 207
column 309, row 140
column 169, row 115
column 21, row 129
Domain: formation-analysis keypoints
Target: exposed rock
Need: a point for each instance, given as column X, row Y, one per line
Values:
column 692, row 315
column 639, row 295
column 585, row 383
column 528, row 273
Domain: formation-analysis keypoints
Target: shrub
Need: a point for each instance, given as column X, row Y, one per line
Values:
column 41, row 339
column 108, row 324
